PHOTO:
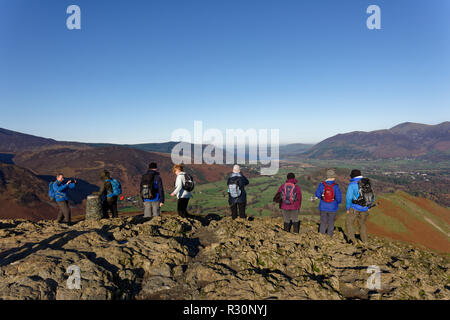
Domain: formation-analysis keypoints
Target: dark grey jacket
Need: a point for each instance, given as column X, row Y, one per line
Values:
column 241, row 182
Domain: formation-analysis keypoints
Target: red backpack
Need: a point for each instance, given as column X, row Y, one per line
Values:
column 328, row 192
column 288, row 193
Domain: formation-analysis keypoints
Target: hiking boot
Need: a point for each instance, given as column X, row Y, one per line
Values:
column 296, row 227
column 287, row 226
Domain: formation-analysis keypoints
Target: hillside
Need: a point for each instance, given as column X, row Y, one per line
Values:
column 125, row 164
column 208, row 258
column 23, row 194
column 412, row 219
column 407, row 140
column 12, row 141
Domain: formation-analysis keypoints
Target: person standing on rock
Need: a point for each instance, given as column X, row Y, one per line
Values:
column 355, row 211
column 291, row 201
column 330, row 197
column 237, row 196
column 109, row 200
column 60, row 194
column 152, row 192
column 180, row 192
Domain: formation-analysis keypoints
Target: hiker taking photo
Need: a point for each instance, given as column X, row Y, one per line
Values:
column 58, row 191
column 291, row 201
column 330, row 197
column 237, row 196
column 184, row 184
column 360, row 198
column 152, row 191
column 109, row 193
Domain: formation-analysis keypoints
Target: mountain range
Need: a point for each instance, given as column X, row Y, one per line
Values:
column 404, row 141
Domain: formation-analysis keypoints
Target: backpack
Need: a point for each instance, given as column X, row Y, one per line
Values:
column 148, row 186
column 233, row 188
column 328, row 192
column 188, row 183
column 116, row 186
column 51, row 192
column 366, row 196
column 288, row 194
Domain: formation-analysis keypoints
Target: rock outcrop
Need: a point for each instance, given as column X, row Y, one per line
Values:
column 208, row 258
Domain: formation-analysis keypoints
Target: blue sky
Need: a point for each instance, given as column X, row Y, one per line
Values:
column 137, row 70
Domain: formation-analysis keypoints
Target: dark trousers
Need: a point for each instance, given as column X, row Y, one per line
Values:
column 182, row 204
column 110, row 205
column 238, row 207
column 64, row 211
column 327, row 222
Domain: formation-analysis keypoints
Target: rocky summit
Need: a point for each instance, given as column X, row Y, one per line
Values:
column 209, row 257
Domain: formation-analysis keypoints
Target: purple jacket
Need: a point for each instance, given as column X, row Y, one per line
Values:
column 298, row 203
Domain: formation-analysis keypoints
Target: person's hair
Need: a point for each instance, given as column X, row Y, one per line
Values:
column 152, row 165
column 59, row 174
column 177, row 167
column 290, row 175
column 355, row 173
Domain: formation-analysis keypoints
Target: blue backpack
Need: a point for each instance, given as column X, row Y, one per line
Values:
column 51, row 191
column 117, row 188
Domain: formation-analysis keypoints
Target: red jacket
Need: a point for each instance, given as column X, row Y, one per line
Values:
column 298, row 203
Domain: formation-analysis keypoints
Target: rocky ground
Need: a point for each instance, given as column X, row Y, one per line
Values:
column 208, row 258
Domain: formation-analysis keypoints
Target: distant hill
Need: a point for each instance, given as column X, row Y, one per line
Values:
column 124, row 163
column 406, row 140
column 293, row 150
column 23, row 194
column 12, row 141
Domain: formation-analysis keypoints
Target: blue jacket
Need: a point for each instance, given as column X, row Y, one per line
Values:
column 241, row 182
column 61, row 190
column 329, row 206
column 353, row 194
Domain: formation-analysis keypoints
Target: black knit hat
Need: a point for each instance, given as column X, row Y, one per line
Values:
column 152, row 165
column 290, row 175
column 355, row 173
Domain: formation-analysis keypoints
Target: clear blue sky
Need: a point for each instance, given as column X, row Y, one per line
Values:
column 139, row 69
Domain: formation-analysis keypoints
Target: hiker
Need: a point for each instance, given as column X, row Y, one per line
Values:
column 152, row 191
column 291, row 201
column 237, row 196
column 109, row 195
column 355, row 211
column 183, row 188
column 330, row 197
column 59, row 191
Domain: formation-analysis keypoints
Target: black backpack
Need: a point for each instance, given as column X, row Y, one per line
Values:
column 148, row 186
column 366, row 195
column 188, row 183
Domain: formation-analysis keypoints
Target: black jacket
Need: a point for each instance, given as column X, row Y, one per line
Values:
column 241, row 181
column 157, row 182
